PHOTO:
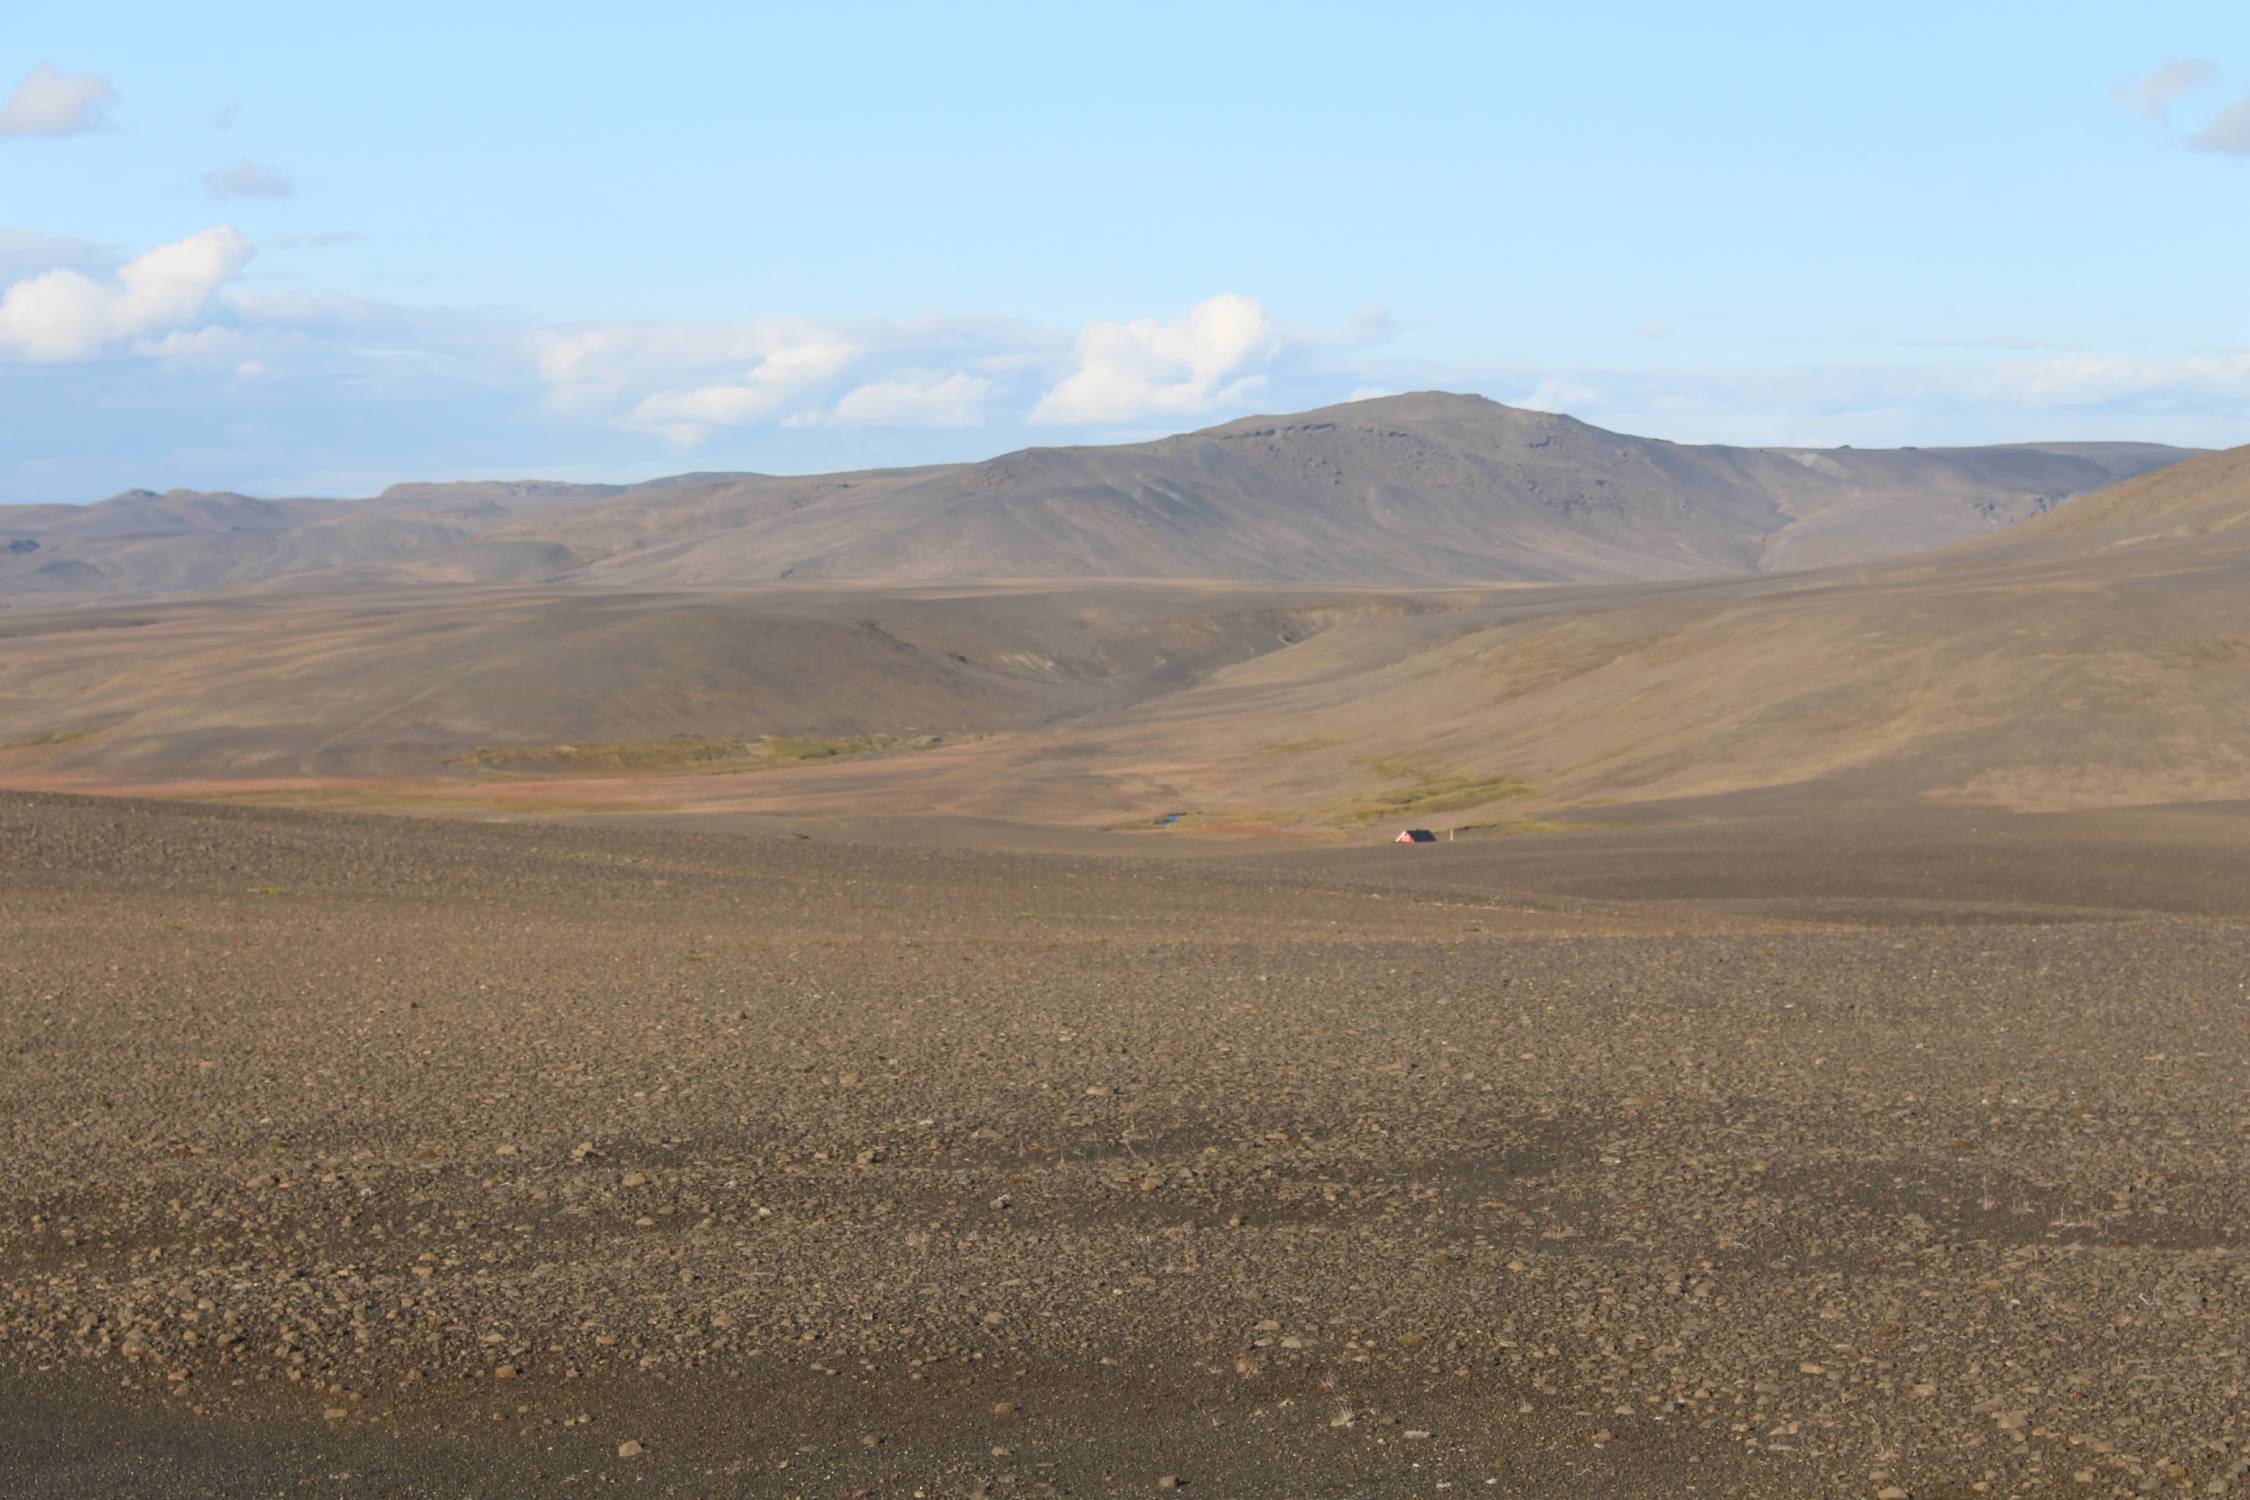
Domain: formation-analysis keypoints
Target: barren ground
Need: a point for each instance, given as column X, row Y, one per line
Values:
column 1768, row 1156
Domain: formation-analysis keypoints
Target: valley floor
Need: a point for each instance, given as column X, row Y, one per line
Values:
column 1756, row 1155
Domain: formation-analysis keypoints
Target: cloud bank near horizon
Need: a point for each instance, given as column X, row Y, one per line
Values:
column 224, row 381
column 189, row 359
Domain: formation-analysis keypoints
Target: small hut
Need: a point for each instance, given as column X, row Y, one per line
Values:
column 1415, row 836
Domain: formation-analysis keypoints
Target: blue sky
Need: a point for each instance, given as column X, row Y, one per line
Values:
column 289, row 250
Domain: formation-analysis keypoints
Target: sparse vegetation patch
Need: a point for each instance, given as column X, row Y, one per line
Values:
column 422, row 798
column 796, row 750
column 677, row 753
column 1431, row 789
column 1511, row 827
column 37, row 741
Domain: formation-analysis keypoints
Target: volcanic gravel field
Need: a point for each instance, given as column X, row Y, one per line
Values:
column 360, row 1156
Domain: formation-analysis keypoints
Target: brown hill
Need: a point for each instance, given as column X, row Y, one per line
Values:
column 2208, row 497
column 399, row 683
column 1427, row 488
column 2098, row 656
column 142, row 544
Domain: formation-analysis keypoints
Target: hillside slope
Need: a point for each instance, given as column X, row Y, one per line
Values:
column 142, row 544
column 401, row 684
column 2096, row 657
column 2100, row 658
column 1426, row 488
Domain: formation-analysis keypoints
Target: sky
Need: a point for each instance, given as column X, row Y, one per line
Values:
column 291, row 250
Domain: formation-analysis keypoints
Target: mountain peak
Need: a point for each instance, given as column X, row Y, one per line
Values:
column 1405, row 408
column 1415, row 488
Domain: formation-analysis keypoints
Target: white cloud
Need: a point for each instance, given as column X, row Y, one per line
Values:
column 610, row 367
column 684, row 381
column 917, row 400
column 2151, row 95
column 65, row 314
column 2228, row 132
column 48, row 102
column 2091, row 380
column 378, row 392
column 787, row 366
column 2198, row 400
column 1654, row 328
column 249, row 179
column 1145, row 368
column 1559, row 393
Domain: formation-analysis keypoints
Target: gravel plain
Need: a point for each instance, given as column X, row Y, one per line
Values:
column 361, row 1156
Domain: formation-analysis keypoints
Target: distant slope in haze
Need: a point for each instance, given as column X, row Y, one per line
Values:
column 141, row 544
column 1405, row 490
column 2098, row 656
column 1427, row 488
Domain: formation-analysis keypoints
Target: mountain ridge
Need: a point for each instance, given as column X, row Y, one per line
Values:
column 1421, row 489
